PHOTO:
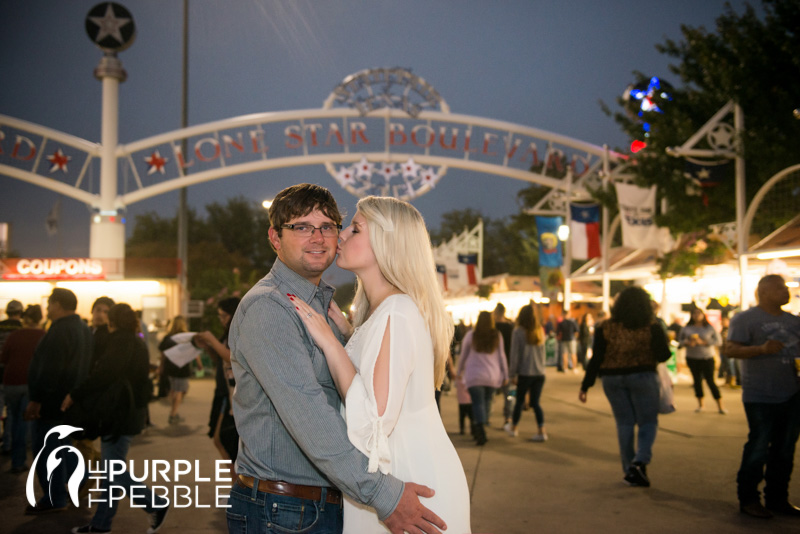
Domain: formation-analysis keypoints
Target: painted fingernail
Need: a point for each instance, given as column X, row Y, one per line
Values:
column 296, row 308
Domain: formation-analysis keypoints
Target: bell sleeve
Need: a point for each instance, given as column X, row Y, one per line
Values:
column 367, row 430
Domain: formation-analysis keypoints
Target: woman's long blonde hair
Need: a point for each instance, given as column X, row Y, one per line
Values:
column 402, row 248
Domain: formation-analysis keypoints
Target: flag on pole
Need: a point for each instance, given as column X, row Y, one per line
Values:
column 584, row 231
column 53, row 218
column 441, row 273
column 637, row 208
column 470, row 260
column 549, row 246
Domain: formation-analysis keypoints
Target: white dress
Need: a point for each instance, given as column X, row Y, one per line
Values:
column 409, row 441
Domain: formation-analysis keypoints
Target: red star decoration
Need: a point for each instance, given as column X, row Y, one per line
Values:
column 156, row 162
column 58, row 161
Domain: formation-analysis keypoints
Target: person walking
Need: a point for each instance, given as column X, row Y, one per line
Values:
column 17, row 354
column 484, row 367
column 178, row 376
column 527, row 369
column 11, row 323
column 566, row 332
column 765, row 338
column 126, row 363
column 699, row 338
column 627, row 348
column 61, row 361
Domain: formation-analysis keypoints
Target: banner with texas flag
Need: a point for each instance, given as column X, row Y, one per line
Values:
column 470, row 261
column 549, row 246
column 584, row 231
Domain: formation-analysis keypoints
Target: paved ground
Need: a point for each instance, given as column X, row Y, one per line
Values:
column 572, row 483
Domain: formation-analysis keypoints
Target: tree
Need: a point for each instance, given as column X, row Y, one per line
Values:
column 753, row 61
column 509, row 244
column 228, row 250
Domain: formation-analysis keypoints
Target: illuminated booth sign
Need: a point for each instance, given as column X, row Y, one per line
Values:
column 52, row 269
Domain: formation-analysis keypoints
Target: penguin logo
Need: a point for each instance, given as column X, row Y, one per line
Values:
column 53, row 461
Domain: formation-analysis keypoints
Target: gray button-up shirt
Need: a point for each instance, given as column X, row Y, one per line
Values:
column 286, row 405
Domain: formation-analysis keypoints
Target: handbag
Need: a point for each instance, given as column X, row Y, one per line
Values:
column 103, row 412
column 666, row 395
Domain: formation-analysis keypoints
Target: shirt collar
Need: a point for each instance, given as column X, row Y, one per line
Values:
column 299, row 285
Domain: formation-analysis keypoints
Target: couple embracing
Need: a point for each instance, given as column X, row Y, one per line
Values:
column 339, row 427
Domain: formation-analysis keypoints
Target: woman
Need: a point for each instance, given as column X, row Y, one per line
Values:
column 699, row 338
column 17, row 355
column 394, row 360
column 222, row 428
column 178, row 376
column 627, row 348
column 527, row 369
column 126, row 359
column 484, row 367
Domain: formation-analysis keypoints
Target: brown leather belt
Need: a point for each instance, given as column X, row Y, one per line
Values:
column 279, row 487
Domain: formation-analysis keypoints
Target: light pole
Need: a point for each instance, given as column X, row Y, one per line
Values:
column 110, row 26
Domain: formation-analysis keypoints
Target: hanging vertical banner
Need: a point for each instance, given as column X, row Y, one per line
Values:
column 551, row 280
column 549, row 246
column 469, row 260
column 637, row 208
column 441, row 274
column 584, row 231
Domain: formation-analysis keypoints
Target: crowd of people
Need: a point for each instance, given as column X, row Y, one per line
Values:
column 356, row 441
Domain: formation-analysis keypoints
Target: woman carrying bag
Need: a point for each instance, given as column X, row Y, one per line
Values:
column 121, row 378
column 627, row 349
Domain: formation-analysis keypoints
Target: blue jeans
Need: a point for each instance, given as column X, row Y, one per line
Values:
column 481, row 403
column 534, row 384
column 774, row 429
column 104, row 515
column 634, row 401
column 55, row 489
column 568, row 348
column 16, row 402
column 255, row 512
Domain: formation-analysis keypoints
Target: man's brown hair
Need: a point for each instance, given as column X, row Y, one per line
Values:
column 299, row 200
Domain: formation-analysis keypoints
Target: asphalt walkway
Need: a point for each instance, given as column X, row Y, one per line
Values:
column 571, row 483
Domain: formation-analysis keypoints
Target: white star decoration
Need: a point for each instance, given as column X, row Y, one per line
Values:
column 410, row 168
column 388, row 170
column 364, row 168
column 430, row 177
column 358, row 178
column 345, row 175
column 156, row 162
column 109, row 25
column 58, row 161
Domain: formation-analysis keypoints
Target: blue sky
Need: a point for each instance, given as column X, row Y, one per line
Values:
column 544, row 64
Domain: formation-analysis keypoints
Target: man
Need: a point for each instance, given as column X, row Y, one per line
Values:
column 60, row 362
column 12, row 322
column 566, row 332
column 294, row 452
column 766, row 339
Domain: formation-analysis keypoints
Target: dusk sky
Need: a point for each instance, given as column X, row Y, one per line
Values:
column 539, row 63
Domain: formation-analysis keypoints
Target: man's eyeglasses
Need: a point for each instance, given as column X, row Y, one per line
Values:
column 307, row 230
